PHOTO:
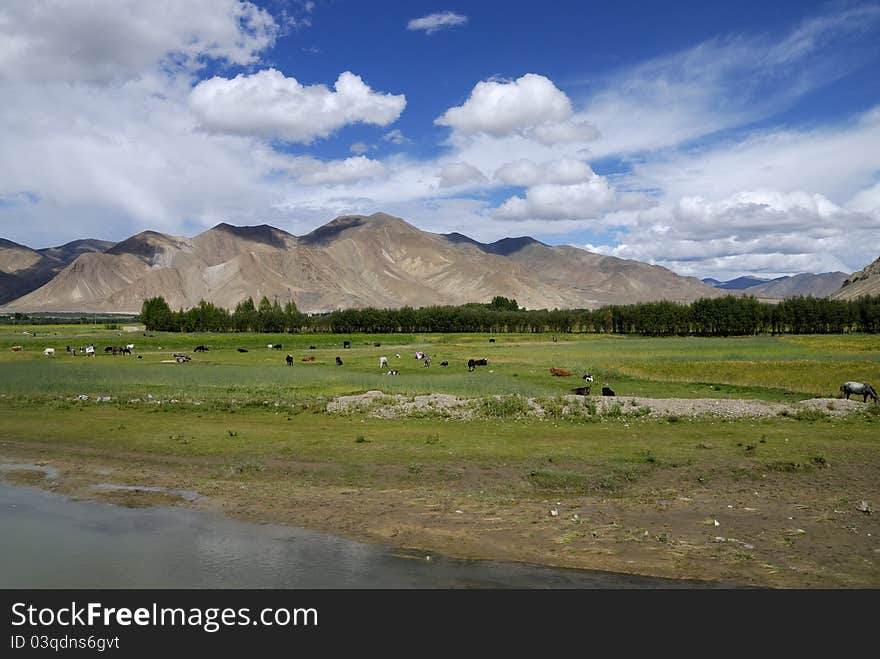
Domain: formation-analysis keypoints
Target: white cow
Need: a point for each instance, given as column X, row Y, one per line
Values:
column 90, row 351
column 130, row 346
column 383, row 362
column 49, row 352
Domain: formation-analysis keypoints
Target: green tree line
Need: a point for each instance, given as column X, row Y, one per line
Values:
column 725, row 316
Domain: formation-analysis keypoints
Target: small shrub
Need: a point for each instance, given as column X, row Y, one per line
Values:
column 673, row 418
column 432, row 439
column 415, row 469
column 360, row 439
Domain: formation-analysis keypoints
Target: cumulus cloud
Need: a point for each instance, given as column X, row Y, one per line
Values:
column 268, row 104
column 438, row 21
column 341, row 171
column 525, row 172
column 531, row 106
column 763, row 231
column 103, row 40
column 359, row 148
column 551, row 201
column 500, row 108
column 460, row 173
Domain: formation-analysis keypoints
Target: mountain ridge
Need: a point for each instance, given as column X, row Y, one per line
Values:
column 351, row 261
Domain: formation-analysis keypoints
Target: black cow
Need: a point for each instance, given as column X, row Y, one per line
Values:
column 444, row 363
column 242, row 349
column 338, row 360
column 491, row 340
column 312, row 348
column 473, row 363
column 377, row 345
column 200, row 349
column 608, row 391
column 581, row 391
column 289, row 360
column 346, row 344
column 276, row 346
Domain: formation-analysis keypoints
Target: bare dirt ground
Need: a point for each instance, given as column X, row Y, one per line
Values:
column 765, row 530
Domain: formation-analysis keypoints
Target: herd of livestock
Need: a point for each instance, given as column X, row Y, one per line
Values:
column 846, row 390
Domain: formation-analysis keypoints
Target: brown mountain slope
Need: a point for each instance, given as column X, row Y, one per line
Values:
column 352, row 261
column 805, row 284
column 23, row 269
column 863, row 282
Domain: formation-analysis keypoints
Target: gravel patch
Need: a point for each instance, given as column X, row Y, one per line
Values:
column 380, row 405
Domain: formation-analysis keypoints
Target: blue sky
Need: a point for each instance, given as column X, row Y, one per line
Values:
column 717, row 139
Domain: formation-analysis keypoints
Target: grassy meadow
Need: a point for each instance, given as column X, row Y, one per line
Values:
column 769, row 368
column 253, row 435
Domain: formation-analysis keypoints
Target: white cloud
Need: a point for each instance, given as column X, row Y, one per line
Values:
column 460, row 173
column 723, row 82
column 550, row 201
column 435, row 22
column 525, row 172
column 762, row 231
column 359, row 148
column 395, row 136
column 341, row 171
column 501, row 108
column 268, row 104
column 103, row 40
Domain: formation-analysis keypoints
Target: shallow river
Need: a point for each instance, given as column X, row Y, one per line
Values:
column 51, row 541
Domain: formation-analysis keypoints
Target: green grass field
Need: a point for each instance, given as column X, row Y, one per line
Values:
column 251, row 434
column 769, row 368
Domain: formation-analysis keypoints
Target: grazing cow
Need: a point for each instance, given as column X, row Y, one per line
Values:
column 377, row 345
column 312, row 348
column 559, row 372
column 581, row 391
column 346, row 344
column 125, row 351
column 130, row 346
column 68, row 349
column 473, row 363
column 242, row 349
column 308, row 359
column 383, row 362
column 393, row 371
column 491, row 340
column 397, row 355
column 289, row 360
column 49, row 352
column 554, row 339
column 276, row 346
column 182, row 359
column 419, row 355
column 859, row 389
column 338, row 360
column 444, row 363
column 608, row 391
column 140, row 356
column 15, row 348
column 588, row 377
column 200, row 349
column 90, row 351
column 108, row 349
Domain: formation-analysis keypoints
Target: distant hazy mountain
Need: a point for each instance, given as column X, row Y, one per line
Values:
column 23, row 269
column 738, row 284
column 804, row 284
column 352, row 261
column 863, row 282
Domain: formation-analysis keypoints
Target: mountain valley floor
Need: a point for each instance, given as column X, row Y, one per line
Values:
column 532, row 473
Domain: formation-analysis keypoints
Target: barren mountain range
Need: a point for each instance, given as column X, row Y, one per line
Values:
column 352, row 261
column 863, row 282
